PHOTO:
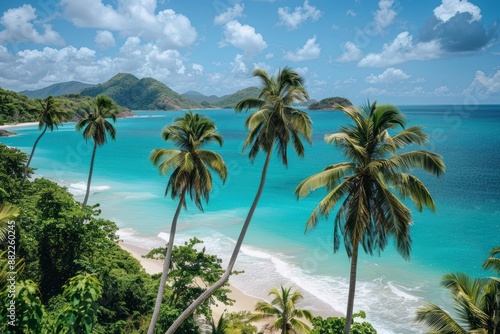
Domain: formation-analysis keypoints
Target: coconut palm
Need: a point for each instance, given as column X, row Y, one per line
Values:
column 190, row 166
column 367, row 185
column 7, row 212
column 493, row 261
column 221, row 327
column 477, row 307
column 274, row 124
column 96, row 127
column 284, row 312
column 49, row 116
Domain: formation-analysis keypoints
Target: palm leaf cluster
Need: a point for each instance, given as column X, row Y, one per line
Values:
column 476, row 303
column 284, row 312
column 189, row 163
column 96, row 124
column 276, row 121
column 370, row 186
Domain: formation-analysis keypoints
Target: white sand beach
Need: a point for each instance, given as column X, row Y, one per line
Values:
column 17, row 125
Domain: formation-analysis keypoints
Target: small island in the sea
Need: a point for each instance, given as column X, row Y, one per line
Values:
column 329, row 103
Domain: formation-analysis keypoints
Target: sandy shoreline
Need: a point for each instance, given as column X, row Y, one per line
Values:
column 243, row 302
column 17, row 125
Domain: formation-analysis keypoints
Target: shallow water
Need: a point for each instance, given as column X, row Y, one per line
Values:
column 456, row 238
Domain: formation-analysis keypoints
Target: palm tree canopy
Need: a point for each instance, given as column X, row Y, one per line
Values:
column 276, row 121
column 96, row 124
column 364, row 185
column 49, row 114
column 282, row 307
column 493, row 261
column 190, row 165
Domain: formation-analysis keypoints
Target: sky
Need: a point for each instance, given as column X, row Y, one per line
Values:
column 401, row 52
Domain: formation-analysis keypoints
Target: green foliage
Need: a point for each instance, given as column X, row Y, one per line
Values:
column 59, row 89
column 239, row 323
column 16, row 108
column 79, row 315
column 329, row 103
column 192, row 271
column 144, row 94
column 230, row 101
column 335, row 325
column 167, row 316
column 11, row 173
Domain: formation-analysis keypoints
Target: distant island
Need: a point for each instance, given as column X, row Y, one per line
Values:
column 329, row 103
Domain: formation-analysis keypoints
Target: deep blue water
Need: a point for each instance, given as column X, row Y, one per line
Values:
column 455, row 238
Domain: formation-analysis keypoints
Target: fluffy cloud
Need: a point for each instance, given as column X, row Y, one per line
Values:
column 132, row 18
column 401, row 50
column 19, row 27
column 385, row 15
column 352, row 53
column 390, row 75
column 458, row 33
column 104, row 39
column 310, row 50
column 229, row 15
column 351, row 13
column 483, row 86
column 243, row 36
column 449, row 8
column 238, row 64
column 292, row 20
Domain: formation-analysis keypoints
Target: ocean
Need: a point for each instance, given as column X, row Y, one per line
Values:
column 457, row 238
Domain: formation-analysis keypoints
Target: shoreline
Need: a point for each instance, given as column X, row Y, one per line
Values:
column 243, row 302
column 17, row 125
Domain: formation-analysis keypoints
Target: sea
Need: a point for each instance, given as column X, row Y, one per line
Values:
column 277, row 251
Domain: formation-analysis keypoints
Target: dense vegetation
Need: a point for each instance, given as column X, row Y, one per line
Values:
column 59, row 89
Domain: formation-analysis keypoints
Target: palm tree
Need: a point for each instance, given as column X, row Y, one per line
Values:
column 97, row 127
column 493, row 261
column 477, row 306
column 274, row 123
column 369, row 210
column 282, row 309
column 190, row 166
column 7, row 212
column 221, row 327
column 49, row 116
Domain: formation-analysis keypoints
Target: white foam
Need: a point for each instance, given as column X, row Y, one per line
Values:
column 80, row 188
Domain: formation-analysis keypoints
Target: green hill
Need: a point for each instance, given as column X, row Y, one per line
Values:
column 63, row 88
column 144, row 94
column 328, row 103
column 200, row 98
column 230, row 101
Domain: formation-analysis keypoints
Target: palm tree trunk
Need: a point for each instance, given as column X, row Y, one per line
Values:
column 31, row 155
column 207, row 293
column 166, row 265
column 352, row 288
column 90, row 177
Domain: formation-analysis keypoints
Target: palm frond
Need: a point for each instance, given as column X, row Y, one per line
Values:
column 438, row 320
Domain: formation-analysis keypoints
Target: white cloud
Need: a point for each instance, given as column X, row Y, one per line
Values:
column 270, row 56
column 198, row 68
column 167, row 28
column 104, row 39
column 483, row 86
column 229, row 15
column 351, row 13
column 238, row 64
column 244, row 37
column 442, row 90
column 390, row 75
column 401, row 50
column 450, row 8
column 372, row 91
column 352, row 53
column 19, row 27
column 310, row 50
column 302, row 71
column 292, row 20
column 385, row 15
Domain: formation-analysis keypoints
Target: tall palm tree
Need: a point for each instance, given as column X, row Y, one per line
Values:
column 369, row 210
column 97, row 127
column 190, row 166
column 477, row 306
column 282, row 309
column 49, row 116
column 274, row 123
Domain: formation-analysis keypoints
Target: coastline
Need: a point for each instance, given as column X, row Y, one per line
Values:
column 243, row 302
column 17, row 125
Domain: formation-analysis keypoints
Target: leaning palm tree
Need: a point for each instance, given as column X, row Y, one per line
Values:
column 97, row 127
column 477, row 307
column 190, row 166
column 364, row 186
column 282, row 309
column 49, row 116
column 274, row 124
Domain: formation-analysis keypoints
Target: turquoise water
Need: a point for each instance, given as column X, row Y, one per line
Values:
column 456, row 238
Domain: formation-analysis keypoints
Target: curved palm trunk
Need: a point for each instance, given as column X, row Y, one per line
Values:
column 166, row 265
column 90, row 177
column 352, row 288
column 207, row 293
column 31, row 155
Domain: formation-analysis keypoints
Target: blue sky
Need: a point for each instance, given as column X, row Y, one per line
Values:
column 403, row 52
